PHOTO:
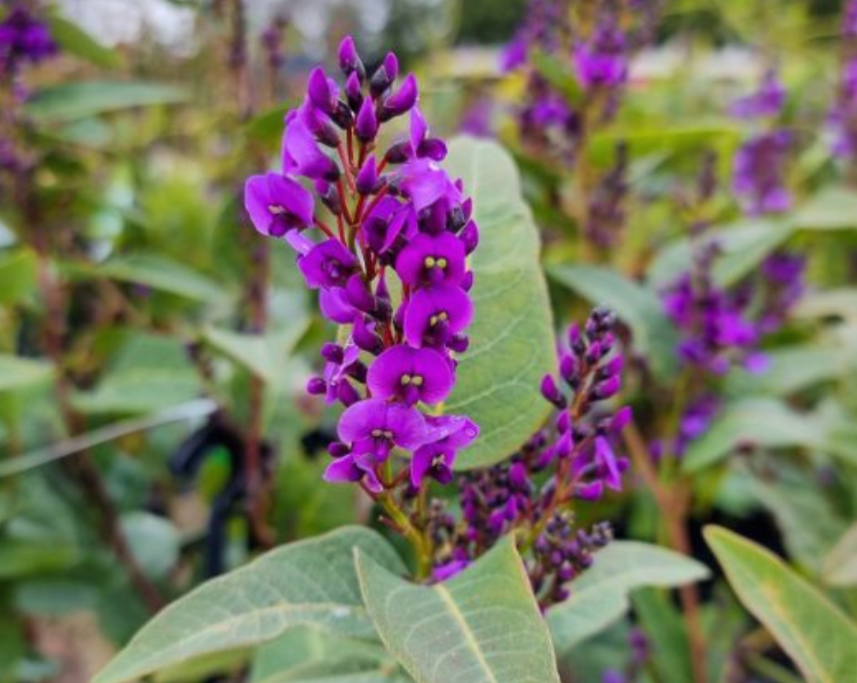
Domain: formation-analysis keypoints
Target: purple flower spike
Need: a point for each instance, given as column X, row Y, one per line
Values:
column 432, row 260
column 329, row 264
column 277, row 204
column 435, row 315
column 411, row 375
column 375, row 426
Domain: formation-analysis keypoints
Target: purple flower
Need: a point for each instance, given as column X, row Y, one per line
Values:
column 759, row 173
column 447, row 435
column 376, row 426
column 328, row 264
column 767, row 101
column 602, row 60
column 434, row 315
column 410, row 375
column 277, row 204
column 301, row 153
column 432, row 260
column 23, row 38
column 446, row 571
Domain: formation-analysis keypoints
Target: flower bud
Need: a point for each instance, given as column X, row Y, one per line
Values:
column 400, row 101
column 366, row 125
column 552, row 393
column 349, row 59
column 316, row 386
column 367, row 176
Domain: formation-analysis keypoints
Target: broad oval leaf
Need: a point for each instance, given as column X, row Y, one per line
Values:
column 17, row 372
column 840, row 565
column 308, row 582
column 601, row 595
column 70, row 101
column 811, row 630
column 757, row 422
column 511, row 340
column 638, row 307
column 483, row 626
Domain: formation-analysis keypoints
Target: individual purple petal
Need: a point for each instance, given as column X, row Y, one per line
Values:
column 301, row 154
column 328, row 264
column 604, row 456
column 424, row 182
column 402, row 100
column 411, row 375
column 434, row 315
column 335, row 305
column 343, row 470
column 432, row 260
column 447, row 434
column 277, row 204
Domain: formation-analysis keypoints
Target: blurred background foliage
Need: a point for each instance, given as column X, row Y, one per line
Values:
column 153, row 351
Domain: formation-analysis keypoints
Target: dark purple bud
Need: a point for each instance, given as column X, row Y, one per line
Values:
column 434, row 149
column 332, row 352
column 365, row 337
column 612, row 367
column 467, row 281
column 384, row 76
column 347, row 393
column 366, row 125
column 561, row 594
column 542, row 545
column 566, row 573
column 518, row 476
column 593, row 353
column 563, row 422
column 458, row 342
column 318, row 89
column 607, row 388
column 470, row 237
column 574, row 338
column 398, row 153
column 568, row 367
column 467, row 208
column 556, row 558
column 551, row 392
column 353, row 91
column 510, row 510
column 329, row 196
column 359, row 295
column 337, row 449
column 349, row 59
column 592, row 491
column 621, row 419
column 564, row 445
column 316, row 386
column 342, row 115
column 367, row 177
column 400, row 101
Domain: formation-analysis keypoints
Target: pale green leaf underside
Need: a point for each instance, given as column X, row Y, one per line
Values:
column 811, row 630
column 600, row 595
column 308, row 582
column 483, row 626
column 840, row 565
column 511, row 339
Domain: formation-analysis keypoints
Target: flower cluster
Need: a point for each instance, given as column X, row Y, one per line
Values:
column 23, row 39
column 843, row 115
column 759, row 167
column 573, row 459
column 391, row 267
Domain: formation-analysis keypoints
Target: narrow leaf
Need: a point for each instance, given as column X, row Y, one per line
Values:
column 600, row 595
column 17, row 372
column 482, row 626
column 840, row 565
column 74, row 40
column 511, row 340
column 308, row 582
column 811, row 630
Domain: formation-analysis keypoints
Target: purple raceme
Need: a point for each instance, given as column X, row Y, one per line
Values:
column 24, row 39
column 572, row 460
column 842, row 119
column 390, row 220
column 272, row 43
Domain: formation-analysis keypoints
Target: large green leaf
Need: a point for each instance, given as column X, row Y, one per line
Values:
column 308, row 582
column 70, row 101
column 811, row 630
column 600, row 595
column 512, row 344
column 18, row 275
column 840, row 565
column 155, row 271
column 833, row 208
column 309, row 655
column 17, row 372
column 638, row 307
column 483, row 626
column 74, row 40
column 756, row 422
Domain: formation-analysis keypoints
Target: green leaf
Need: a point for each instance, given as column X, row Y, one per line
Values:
column 482, row 626
column 744, row 245
column 74, row 40
column 308, row 582
column 833, row 208
column 70, row 101
column 840, row 565
column 811, row 630
column 555, row 72
column 265, row 356
column 793, row 368
column 600, row 595
column 157, row 272
column 309, row 655
column 511, row 339
column 659, row 139
column 18, row 275
column 638, row 307
column 756, row 421
column 154, row 542
column 662, row 622
column 17, row 372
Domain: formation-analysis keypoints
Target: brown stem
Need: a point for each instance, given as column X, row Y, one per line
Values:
column 674, row 505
